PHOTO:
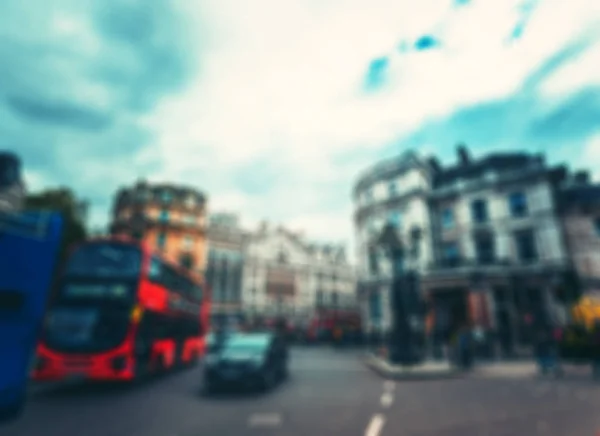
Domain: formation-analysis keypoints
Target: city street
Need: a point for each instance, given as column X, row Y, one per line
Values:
column 329, row 393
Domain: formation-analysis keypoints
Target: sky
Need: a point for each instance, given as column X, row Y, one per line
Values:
column 273, row 107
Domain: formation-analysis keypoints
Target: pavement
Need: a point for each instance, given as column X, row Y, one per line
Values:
column 330, row 392
column 424, row 371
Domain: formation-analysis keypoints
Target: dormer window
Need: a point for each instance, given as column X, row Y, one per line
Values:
column 190, row 202
column 166, row 196
column 282, row 257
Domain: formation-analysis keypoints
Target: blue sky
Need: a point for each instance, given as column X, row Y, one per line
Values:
column 272, row 107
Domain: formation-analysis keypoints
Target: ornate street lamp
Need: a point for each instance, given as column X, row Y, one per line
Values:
column 404, row 294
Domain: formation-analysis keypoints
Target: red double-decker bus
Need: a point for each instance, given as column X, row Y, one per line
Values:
column 120, row 312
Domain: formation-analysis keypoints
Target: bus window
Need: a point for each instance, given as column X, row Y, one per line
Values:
column 155, row 272
column 107, row 260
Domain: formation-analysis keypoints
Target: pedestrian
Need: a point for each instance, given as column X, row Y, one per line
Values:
column 595, row 350
column 465, row 345
column 544, row 348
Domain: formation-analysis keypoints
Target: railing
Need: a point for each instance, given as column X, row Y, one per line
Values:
column 460, row 265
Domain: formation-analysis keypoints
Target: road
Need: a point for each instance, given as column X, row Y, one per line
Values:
column 329, row 393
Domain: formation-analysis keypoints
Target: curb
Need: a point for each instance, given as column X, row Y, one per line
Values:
column 385, row 370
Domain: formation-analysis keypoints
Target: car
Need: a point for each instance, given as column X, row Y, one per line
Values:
column 246, row 360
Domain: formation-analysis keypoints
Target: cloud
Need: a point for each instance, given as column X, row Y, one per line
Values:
column 77, row 76
column 591, row 153
column 262, row 104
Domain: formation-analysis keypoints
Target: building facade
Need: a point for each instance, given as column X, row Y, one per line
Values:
column 170, row 218
column 392, row 192
column 580, row 214
column 491, row 251
column 226, row 242
column 12, row 185
column 286, row 276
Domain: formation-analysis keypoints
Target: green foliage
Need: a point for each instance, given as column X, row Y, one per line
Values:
column 64, row 201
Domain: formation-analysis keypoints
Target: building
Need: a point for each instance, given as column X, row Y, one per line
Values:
column 395, row 192
column 580, row 213
column 490, row 247
column 168, row 217
column 286, row 276
column 226, row 242
column 12, row 185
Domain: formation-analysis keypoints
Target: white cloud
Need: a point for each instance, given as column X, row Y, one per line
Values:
column 283, row 79
column 591, row 155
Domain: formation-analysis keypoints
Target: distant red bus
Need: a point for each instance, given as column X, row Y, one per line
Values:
column 324, row 326
column 120, row 312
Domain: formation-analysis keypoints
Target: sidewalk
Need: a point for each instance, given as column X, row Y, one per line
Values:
column 425, row 371
column 527, row 369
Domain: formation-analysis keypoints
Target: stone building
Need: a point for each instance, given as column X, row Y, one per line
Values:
column 168, row 217
column 226, row 242
column 284, row 275
column 580, row 213
column 491, row 251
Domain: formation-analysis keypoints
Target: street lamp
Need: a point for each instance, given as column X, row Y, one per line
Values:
column 404, row 294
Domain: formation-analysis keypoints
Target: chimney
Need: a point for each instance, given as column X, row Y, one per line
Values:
column 463, row 154
column 434, row 164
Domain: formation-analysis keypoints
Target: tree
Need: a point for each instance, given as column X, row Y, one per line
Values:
column 64, row 201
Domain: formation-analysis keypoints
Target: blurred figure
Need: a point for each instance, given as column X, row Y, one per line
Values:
column 465, row 347
column 596, row 350
column 546, row 349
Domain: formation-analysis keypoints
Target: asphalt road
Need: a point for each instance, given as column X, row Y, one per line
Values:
column 329, row 393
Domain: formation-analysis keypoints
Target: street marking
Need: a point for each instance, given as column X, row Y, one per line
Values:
column 387, row 399
column 264, row 420
column 375, row 425
column 389, row 386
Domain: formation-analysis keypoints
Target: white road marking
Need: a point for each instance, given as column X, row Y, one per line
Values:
column 389, row 386
column 264, row 420
column 375, row 426
column 387, row 399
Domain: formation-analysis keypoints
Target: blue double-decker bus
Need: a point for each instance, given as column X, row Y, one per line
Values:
column 29, row 243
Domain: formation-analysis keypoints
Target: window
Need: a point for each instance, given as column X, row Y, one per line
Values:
column 375, row 307
column 485, row 249
column 517, row 203
column 526, row 246
column 161, row 240
column 450, row 253
column 282, row 257
column 479, row 211
column 187, row 243
column 447, row 218
column 373, row 264
column 142, row 195
column 166, row 196
column 393, row 189
column 164, row 216
column 190, row 202
column 396, row 219
column 186, row 261
column 319, row 297
column 155, row 269
column 368, row 195
column 335, row 298
column 189, row 219
column 597, row 226
column 108, row 260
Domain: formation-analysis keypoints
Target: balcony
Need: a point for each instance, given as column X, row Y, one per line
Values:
column 143, row 222
column 496, row 267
